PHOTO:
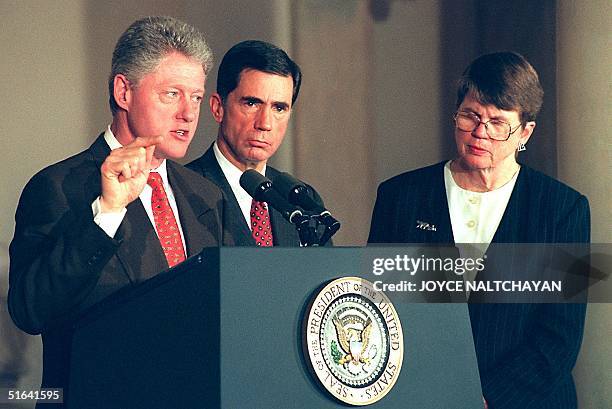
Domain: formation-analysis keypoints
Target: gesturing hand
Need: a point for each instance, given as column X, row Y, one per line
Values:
column 125, row 172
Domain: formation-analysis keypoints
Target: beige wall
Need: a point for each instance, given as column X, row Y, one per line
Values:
column 44, row 109
column 333, row 118
column 584, row 78
column 584, row 86
column 370, row 105
column 406, row 89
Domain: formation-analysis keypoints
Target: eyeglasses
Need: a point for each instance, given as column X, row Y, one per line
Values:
column 496, row 129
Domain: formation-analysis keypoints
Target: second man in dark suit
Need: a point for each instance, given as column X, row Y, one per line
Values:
column 257, row 85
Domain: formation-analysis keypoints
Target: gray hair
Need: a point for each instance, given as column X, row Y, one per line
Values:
column 147, row 41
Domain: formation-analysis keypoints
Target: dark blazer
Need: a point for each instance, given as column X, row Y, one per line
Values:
column 525, row 351
column 61, row 262
column 283, row 232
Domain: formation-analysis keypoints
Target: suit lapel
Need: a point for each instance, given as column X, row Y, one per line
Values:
column 233, row 219
column 99, row 150
column 198, row 220
column 284, row 233
column 513, row 227
column 439, row 213
column 430, row 220
column 140, row 251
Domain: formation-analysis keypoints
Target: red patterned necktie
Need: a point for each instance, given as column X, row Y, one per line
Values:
column 260, row 223
column 165, row 223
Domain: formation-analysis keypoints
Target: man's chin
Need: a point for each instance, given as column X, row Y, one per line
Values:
column 172, row 155
column 257, row 156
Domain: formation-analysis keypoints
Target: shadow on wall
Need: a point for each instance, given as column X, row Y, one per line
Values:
column 20, row 353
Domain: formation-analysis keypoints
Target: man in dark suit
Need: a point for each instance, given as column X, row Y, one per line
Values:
column 525, row 352
column 121, row 211
column 257, row 86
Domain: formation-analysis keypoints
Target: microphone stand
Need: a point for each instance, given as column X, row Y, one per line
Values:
column 307, row 234
column 307, row 226
column 331, row 227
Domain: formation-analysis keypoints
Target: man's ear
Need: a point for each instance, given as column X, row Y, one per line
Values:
column 216, row 107
column 122, row 91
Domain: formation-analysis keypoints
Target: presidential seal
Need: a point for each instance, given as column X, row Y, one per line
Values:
column 353, row 340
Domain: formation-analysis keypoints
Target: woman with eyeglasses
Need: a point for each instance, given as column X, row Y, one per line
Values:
column 484, row 195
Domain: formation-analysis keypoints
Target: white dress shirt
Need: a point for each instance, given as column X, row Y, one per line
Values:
column 232, row 174
column 109, row 222
column 475, row 216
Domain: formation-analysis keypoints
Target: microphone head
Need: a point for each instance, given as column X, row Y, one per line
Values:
column 296, row 192
column 260, row 189
column 255, row 184
column 286, row 179
column 291, row 188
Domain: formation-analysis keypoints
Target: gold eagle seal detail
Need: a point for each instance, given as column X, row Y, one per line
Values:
column 353, row 341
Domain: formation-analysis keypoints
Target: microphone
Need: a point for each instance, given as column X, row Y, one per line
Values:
column 260, row 189
column 298, row 194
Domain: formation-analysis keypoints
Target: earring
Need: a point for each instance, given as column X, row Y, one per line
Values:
column 521, row 147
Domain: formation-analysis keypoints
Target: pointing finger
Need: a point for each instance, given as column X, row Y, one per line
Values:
column 146, row 141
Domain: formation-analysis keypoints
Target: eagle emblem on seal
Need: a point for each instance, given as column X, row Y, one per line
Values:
column 353, row 341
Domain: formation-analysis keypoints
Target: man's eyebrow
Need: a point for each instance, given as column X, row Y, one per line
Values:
column 248, row 98
column 181, row 87
column 280, row 104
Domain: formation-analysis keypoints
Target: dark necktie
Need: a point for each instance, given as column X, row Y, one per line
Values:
column 165, row 222
column 260, row 224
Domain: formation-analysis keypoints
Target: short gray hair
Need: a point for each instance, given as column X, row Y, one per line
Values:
column 147, row 41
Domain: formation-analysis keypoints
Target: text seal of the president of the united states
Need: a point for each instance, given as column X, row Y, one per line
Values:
column 353, row 340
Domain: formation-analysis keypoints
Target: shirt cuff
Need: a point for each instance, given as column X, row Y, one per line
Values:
column 109, row 222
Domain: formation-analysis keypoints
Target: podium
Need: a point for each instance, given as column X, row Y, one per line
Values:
column 224, row 330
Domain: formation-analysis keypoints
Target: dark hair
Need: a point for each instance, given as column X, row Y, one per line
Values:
column 256, row 55
column 147, row 41
column 505, row 80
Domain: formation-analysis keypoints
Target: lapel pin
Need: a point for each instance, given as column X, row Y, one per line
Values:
column 425, row 226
